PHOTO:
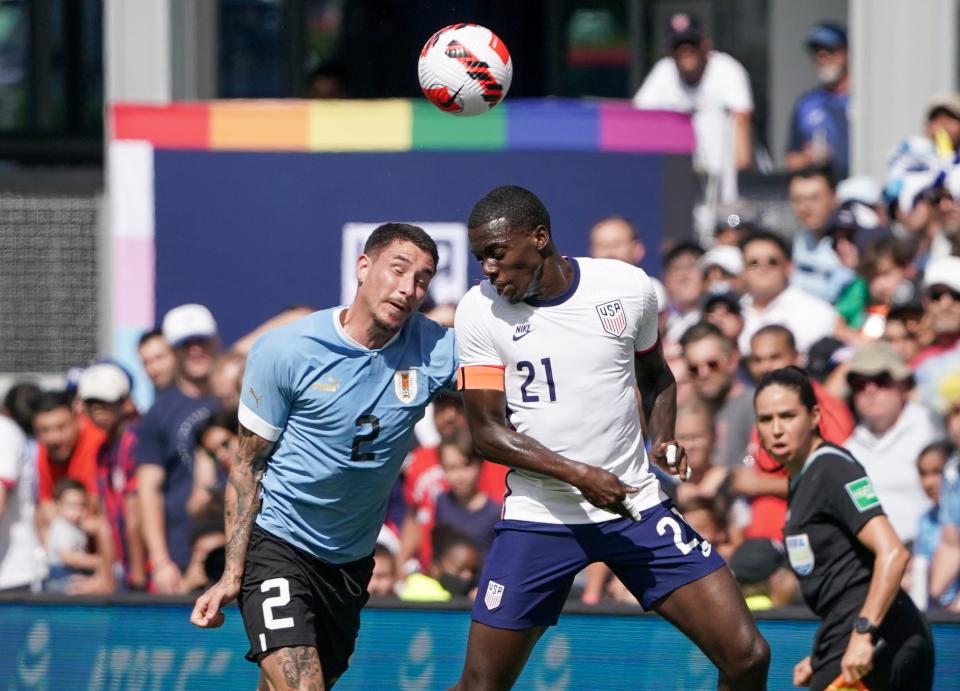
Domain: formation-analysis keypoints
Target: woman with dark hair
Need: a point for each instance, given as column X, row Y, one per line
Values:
column 844, row 551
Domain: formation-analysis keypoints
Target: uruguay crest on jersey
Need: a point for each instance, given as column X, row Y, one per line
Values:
column 405, row 385
column 612, row 317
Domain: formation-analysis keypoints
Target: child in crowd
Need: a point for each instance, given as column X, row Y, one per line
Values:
column 453, row 571
column 930, row 464
column 66, row 543
column 464, row 507
column 383, row 581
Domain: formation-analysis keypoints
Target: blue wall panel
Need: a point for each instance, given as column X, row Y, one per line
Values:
column 250, row 233
column 154, row 647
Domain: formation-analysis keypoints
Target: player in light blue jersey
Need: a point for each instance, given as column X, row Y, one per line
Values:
column 327, row 412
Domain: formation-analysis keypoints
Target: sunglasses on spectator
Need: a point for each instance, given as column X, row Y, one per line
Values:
column 882, row 381
column 936, row 293
column 710, row 365
column 769, row 262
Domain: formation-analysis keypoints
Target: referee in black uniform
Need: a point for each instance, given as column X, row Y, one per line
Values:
column 844, row 551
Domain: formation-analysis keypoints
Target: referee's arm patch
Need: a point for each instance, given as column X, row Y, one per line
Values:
column 862, row 494
column 480, row 377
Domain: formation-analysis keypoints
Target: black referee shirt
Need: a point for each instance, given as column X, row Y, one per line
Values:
column 830, row 500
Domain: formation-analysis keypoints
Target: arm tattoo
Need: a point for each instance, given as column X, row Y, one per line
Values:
column 243, row 498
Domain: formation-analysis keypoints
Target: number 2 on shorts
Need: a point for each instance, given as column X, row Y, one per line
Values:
column 684, row 547
column 283, row 585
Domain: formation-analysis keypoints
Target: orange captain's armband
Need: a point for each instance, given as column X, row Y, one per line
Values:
column 480, row 377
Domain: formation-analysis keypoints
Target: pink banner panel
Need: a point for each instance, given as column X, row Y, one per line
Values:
column 624, row 128
column 133, row 282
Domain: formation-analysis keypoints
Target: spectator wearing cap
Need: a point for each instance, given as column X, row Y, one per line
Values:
column 891, row 432
column 714, row 88
column 683, row 282
column 941, row 301
column 104, row 391
column 722, row 267
column 765, row 481
column 166, row 442
column 761, row 569
column 819, row 126
column 771, row 299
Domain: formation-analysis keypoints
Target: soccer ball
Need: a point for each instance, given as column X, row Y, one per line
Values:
column 465, row 69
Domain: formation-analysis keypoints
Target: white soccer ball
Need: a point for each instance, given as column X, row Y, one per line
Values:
column 465, row 69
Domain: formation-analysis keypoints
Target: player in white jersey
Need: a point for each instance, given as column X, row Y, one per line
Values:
column 548, row 348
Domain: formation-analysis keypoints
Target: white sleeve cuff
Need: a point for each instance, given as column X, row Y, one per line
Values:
column 257, row 424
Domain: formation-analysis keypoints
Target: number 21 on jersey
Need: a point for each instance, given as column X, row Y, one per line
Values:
column 530, row 372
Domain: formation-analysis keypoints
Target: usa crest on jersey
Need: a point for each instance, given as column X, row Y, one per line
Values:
column 612, row 317
column 405, row 385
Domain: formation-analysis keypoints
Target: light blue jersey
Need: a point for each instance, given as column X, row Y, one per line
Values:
column 342, row 417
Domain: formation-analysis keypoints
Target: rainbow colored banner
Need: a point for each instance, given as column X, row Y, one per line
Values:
column 402, row 125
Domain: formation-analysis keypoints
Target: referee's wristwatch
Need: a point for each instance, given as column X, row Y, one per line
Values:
column 863, row 625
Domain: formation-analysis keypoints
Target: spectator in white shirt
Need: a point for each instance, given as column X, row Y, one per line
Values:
column 19, row 566
column 891, row 433
column 709, row 85
column 770, row 298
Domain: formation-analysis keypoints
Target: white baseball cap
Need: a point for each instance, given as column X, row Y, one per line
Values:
column 943, row 271
column 188, row 321
column 103, row 382
column 727, row 257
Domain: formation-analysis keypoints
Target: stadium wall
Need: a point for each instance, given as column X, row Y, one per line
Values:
column 117, row 645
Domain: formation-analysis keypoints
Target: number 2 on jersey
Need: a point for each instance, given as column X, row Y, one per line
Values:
column 531, row 372
column 363, row 421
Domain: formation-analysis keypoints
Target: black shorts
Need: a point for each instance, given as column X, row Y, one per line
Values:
column 290, row 598
column 904, row 660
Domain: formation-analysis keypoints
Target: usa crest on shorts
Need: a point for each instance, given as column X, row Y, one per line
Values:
column 612, row 317
column 405, row 385
column 494, row 595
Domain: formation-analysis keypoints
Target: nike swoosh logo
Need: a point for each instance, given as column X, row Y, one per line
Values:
column 525, row 333
column 448, row 103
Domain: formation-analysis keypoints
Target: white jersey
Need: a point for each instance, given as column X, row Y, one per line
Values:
column 18, row 538
column 569, row 381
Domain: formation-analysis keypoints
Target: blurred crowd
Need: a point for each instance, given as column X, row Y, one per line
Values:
column 98, row 497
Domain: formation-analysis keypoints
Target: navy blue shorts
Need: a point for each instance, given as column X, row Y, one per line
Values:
column 531, row 566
